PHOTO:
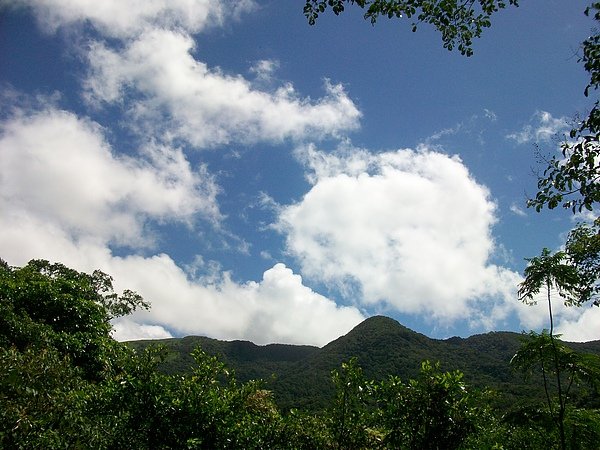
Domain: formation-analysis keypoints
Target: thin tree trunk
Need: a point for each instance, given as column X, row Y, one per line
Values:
column 548, row 399
column 561, row 400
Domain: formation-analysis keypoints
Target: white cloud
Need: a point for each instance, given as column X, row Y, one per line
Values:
column 410, row 230
column 264, row 69
column 67, row 196
column 582, row 328
column 543, row 128
column 126, row 18
column 516, row 209
column 180, row 97
column 279, row 308
column 584, row 216
column 59, row 169
column 407, row 229
column 575, row 324
column 126, row 329
column 149, row 71
column 442, row 133
column 490, row 115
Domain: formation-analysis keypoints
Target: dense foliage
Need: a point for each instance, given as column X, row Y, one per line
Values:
column 382, row 347
column 65, row 383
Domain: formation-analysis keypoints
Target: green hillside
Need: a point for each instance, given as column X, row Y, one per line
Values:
column 299, row 376
column 249, row 361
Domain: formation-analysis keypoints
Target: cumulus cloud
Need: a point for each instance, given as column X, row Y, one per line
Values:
column 128, row 330
column 407, row 229
column 127, row 18
column 574, row 324
column 279, row 308
column 582, row 328
column 66, row 196
column 141, row 58
column 182, row 98
column 542, row 128
column 58, row 168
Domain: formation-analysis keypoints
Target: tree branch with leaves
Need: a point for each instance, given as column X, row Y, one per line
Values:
column 459, row 22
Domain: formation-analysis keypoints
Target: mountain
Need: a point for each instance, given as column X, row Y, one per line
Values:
column 299, row 376
column 248, row 360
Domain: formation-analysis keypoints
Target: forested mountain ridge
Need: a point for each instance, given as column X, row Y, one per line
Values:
column 299, row 376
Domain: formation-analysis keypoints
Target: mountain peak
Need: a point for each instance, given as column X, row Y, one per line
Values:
column 378, row 333
column 379, row 322
column 378, row 327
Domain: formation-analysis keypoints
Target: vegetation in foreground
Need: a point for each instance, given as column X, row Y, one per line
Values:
column 65, row 383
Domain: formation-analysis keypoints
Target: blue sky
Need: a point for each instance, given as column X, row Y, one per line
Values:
column 257, row 178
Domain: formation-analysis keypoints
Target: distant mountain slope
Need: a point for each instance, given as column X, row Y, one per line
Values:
column 300, row 375
column 248, row 360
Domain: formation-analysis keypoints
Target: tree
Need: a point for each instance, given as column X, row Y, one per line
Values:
column 205, row 409
column 305, row 431
column 41, row 398
column 459, row 22
column 55, row 351
column 433, row 411
column 551, row 272
column 350, row 415
column 541, row 352
column 571, row 181
column 51, row 305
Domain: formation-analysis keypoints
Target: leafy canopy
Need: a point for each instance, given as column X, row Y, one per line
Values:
column 549, row 271
column 50, row 305
column 583, row 250
column 459, row 22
